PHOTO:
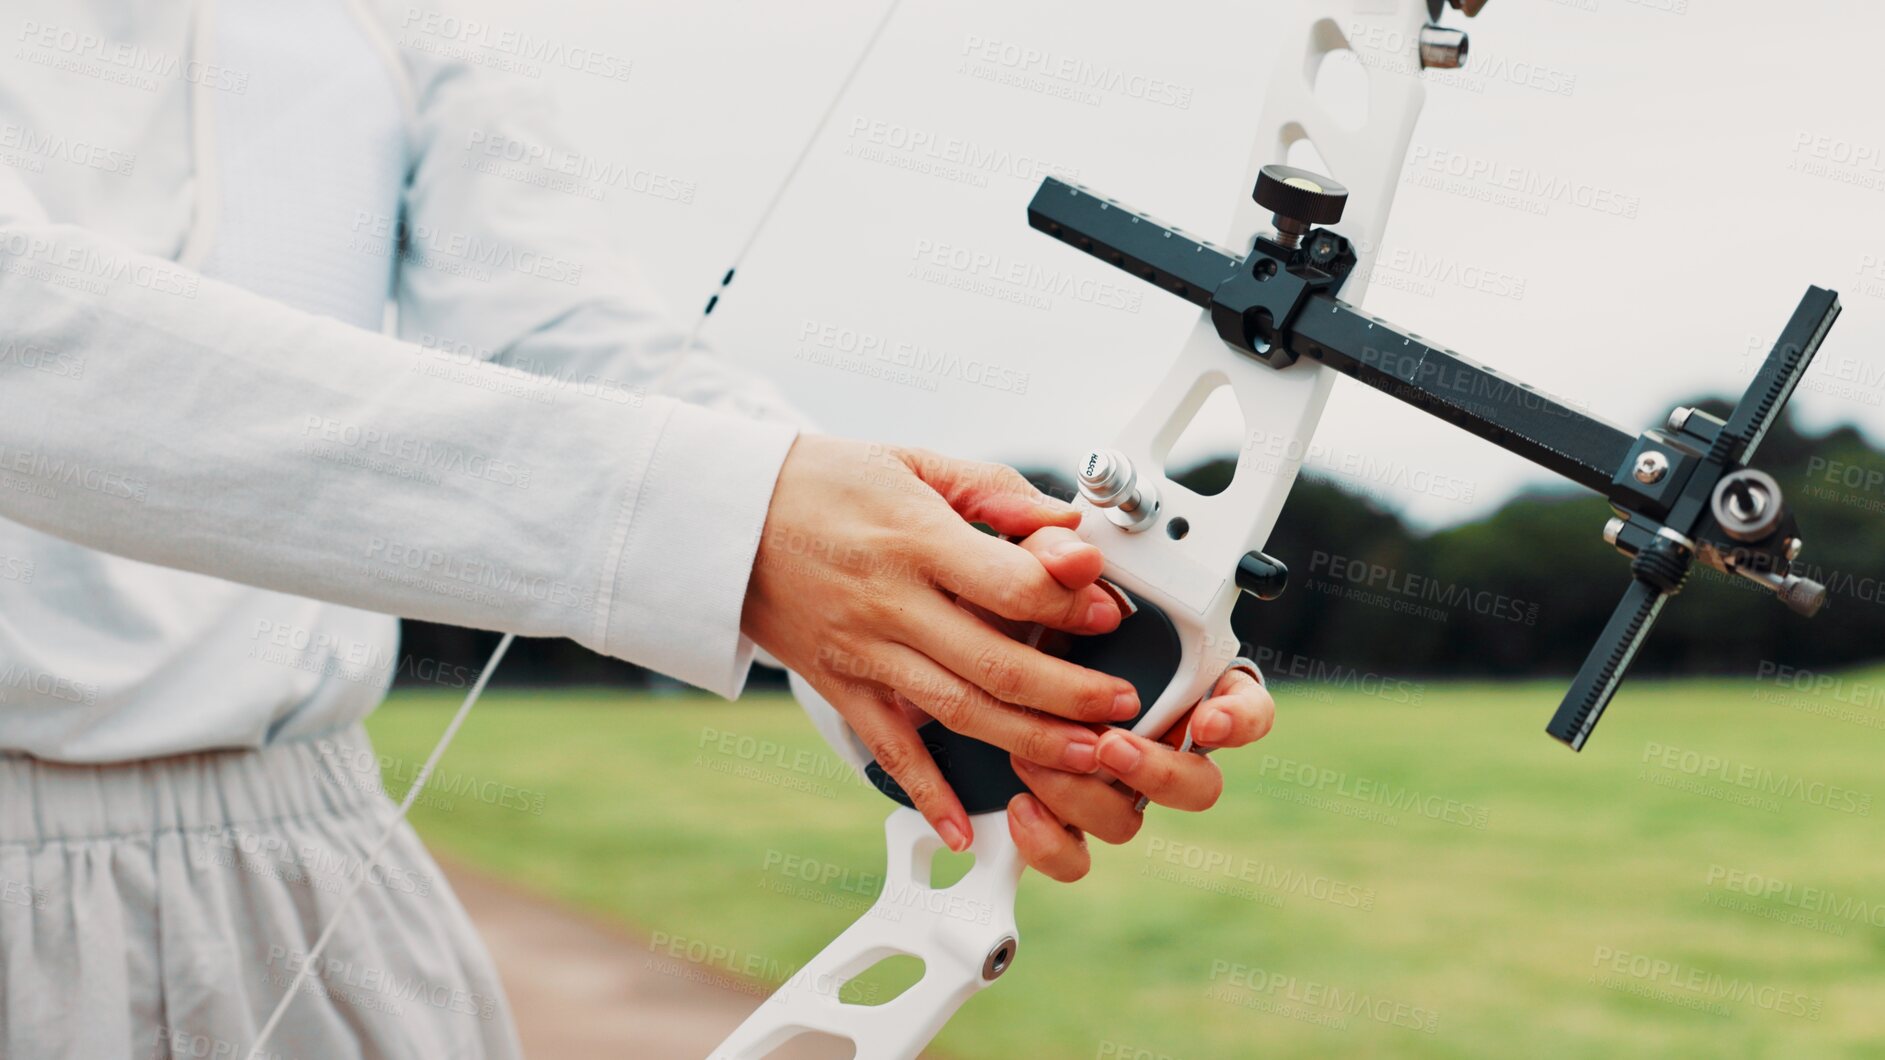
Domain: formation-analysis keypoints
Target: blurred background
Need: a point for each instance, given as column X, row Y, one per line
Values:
column 1618, row 201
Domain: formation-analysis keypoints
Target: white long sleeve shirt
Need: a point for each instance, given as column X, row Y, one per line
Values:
column 218, row 478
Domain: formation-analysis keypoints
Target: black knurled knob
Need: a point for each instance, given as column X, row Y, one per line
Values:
column 1299, row 194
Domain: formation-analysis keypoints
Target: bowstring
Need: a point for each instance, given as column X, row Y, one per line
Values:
column 497, row 656
column 386, row 836
column 778, row 193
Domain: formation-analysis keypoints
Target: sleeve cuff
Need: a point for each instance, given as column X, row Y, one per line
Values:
column 687, row 551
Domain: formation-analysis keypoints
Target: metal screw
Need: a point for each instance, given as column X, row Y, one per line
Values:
column 1793, row 549
column 1651, row 467
column 1442, row 48
column 1803, row 595
column 1611, row 530
column 1748, row 504
column 1680, row 418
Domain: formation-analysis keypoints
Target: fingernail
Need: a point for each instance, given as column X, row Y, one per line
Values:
column 952, row 836
column 1119, row 754
column 1126, row 607
column 1099, row 614
column 1213, row 728
column 1067, row 548
column 1081, row 756
column 1026, row 808
column 1125, row 705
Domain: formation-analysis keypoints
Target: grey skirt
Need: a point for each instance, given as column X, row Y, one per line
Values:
column 161, row 908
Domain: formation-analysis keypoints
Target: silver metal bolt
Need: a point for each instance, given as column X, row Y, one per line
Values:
column 1442, row 48
column 1793, row 549
column 1651, row 467
column 1611, row 530
column 1803, row 596
column 1108, row 482
column 1680, row 418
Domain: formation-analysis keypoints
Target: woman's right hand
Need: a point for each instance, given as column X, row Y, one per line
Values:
column 855, row 587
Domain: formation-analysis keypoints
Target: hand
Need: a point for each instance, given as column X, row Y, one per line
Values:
column 866, row 557
column 1049, row 825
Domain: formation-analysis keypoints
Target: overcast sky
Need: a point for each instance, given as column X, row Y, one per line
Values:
column 1714, row 157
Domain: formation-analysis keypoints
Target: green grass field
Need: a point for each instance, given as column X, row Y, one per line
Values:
column 1380, row 879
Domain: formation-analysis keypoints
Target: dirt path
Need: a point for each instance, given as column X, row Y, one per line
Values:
column 584, row 988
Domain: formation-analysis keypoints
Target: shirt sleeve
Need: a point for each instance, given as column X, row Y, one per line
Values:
column 495, row 181
column 148, row 411
column 495, row 178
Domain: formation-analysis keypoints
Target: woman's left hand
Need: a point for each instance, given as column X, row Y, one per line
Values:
column 1051, row 821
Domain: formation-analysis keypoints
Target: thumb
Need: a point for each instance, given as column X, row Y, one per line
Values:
column 991, row 493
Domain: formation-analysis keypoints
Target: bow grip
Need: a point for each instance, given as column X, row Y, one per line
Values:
column 1145, row 651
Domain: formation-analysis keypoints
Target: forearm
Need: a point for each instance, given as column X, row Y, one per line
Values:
column 151, row 413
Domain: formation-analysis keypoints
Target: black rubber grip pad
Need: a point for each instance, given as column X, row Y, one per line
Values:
column 1144, row 651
